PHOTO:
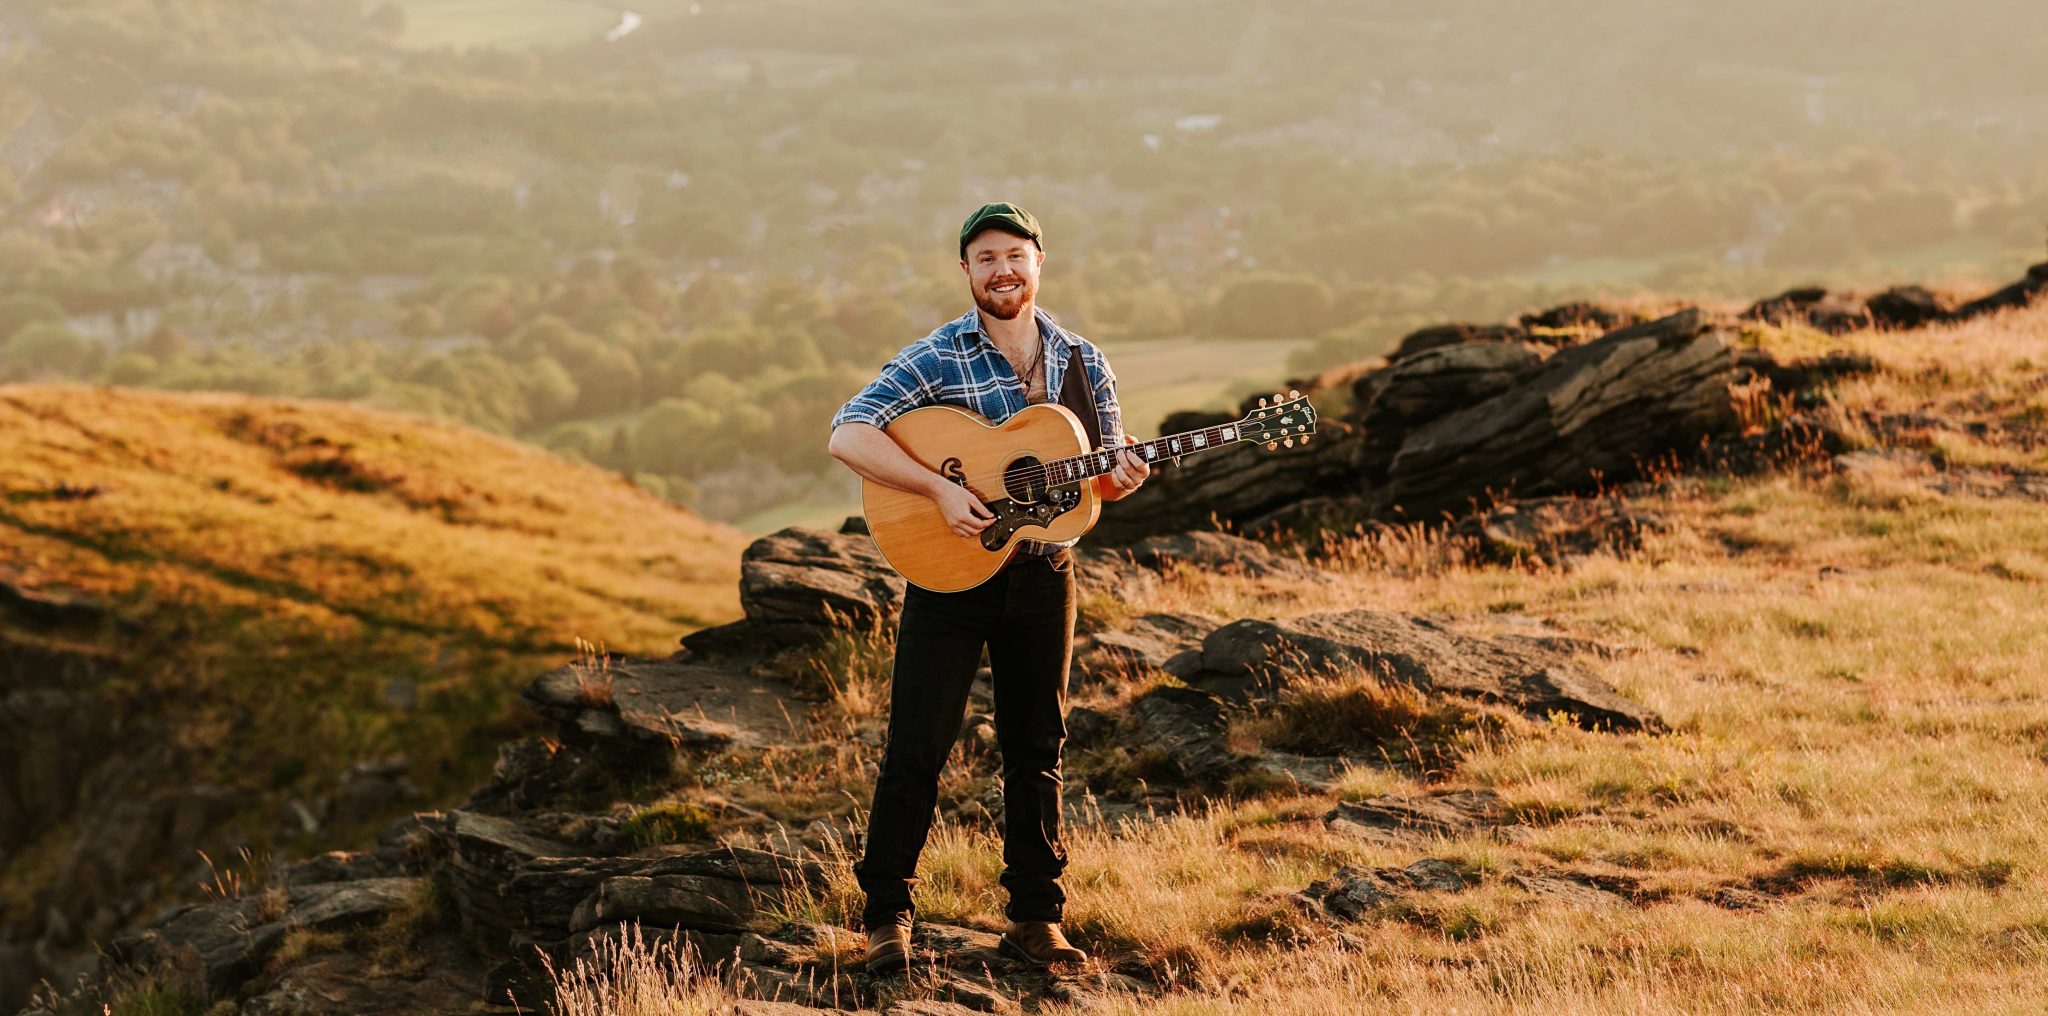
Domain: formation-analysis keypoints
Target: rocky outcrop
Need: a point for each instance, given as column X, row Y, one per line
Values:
column 104, row 822
column 1902, row 307
column 799, row 583
column 1455, row 334
column 2019, row 294
column 1421, row 387
column 1416, row 390
column 1461, row 415
column 232, row 939
column 1578, row 314
column 1899, row 307
column 725, row 890
column 51, row 724
column 1804, row 374
column 1447, row 427
column 1813, row 306
column 1236, row 485
column 480, row 855
column 1526, row 673
column 1590, row 411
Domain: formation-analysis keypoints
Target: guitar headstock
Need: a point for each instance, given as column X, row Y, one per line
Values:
column 1279, row 421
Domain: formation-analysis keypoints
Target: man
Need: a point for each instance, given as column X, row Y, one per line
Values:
column 995, row 359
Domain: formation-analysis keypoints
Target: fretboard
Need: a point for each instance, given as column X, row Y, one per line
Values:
column 1080, row 467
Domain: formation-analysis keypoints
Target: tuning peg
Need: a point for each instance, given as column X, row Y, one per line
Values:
column 1270, row 445
column 1304, row 439
column 1262, row 403
column 1288, row 442
column 1294, row 393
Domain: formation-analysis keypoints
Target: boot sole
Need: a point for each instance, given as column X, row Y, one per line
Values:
column 888, row 964
column 1016, row 952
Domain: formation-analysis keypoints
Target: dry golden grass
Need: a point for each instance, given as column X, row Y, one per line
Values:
column 1851, row 667
column 630, row 976
column 346, row 517
column 304, row 585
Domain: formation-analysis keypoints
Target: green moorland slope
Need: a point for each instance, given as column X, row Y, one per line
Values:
column 1845, row 814
column 274, row 590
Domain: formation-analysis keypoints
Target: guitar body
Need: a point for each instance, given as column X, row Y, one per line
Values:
column 964, row 447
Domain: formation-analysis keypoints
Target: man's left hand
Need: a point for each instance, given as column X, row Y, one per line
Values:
column 1130, row 471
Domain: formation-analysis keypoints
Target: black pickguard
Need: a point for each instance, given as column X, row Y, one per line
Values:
column 1013, row 515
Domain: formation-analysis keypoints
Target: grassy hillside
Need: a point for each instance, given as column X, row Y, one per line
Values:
column 292, row 587
column 1845, row 815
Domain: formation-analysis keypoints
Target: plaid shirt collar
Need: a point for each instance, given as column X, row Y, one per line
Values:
column 967, row 328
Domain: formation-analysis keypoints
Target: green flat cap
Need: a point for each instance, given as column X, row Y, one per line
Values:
column 1000, row 215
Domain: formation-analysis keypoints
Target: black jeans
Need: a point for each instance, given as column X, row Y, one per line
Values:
column 1025, row 616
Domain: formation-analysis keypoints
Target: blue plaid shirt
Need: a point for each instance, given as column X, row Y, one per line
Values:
column 958, row 365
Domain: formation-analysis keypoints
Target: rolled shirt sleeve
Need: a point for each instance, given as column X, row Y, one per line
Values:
column 897, row 390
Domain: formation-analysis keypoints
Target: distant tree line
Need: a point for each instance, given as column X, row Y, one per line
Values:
column 668, row 255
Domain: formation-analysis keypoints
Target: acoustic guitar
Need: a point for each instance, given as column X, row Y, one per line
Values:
column 1035, row 472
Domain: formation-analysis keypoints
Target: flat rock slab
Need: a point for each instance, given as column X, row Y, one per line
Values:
column 816, row 578
column 1244, row 656
column 728, row 889
column 1568, row 888
column 1353, row 894
column 1188, row 723
column 325, row 906
column 1147, row 642
column 950, row 945
column 650, row 706
column 1394, row 819
column 233, row 938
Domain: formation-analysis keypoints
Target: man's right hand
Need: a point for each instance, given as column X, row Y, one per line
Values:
column 965, row 514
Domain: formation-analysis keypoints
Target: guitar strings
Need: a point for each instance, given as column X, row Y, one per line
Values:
column 1042, row 471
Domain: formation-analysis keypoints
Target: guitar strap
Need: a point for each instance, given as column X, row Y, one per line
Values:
column 1078, row 395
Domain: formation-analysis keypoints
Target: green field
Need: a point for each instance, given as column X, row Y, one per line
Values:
column 1158, row 376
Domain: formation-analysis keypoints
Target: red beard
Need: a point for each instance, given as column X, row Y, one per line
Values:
column 1003, row 306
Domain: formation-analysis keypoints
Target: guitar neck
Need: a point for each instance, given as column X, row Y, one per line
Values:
column 1173, row 446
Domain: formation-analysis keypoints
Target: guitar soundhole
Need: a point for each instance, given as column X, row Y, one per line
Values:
column 1024, row 481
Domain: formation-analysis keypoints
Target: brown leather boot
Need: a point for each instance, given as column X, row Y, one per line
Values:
column 1040, row 943
column 889, row 946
